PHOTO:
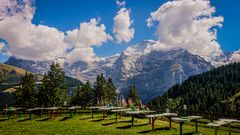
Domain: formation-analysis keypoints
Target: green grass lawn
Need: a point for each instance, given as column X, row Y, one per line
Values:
column 83, row 124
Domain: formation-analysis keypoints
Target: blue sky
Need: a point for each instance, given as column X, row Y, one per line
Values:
column 68, row 14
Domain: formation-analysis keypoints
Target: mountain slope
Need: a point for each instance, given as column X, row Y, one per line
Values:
column 9, row 76
column 150, row 67
column 156, row 71
column 209, row 91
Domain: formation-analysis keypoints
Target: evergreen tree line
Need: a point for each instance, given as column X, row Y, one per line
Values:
column 53, row 92
column 217, row 90
column 50, row 92
column 103, row 92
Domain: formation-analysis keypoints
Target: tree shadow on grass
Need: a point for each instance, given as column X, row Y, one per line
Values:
column 3, row 119
column 22, row 120
column 86, row 118
column 106, row 124
column 125, row 121
column 97, row 120
column 65, row 118
column 45, row 119
column 90, row 118
column 156, row 129
column 124, row 127
column 191, row 133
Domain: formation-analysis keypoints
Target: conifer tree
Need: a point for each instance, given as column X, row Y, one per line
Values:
column 53, row 92
column 26, row 94
column 133, row 94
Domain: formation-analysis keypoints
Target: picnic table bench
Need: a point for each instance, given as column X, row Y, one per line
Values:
column 132, row 113
column 222, row 122
column 94, row 108
column 51, row 109
column 10, row 111
column 182, row 120
column 106, row 109
column 120, row 111
column 75, row 110
column 169, row 116
column 154, row 118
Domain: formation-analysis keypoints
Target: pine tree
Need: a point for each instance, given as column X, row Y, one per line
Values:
column 100, row 90
column 26, row 94
column 53, row 92
column 111, row 92
column 84, row 96
column 133, row 94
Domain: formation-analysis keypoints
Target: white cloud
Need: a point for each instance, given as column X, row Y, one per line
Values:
column 39, row 42
column 22, row 8
column 235, row 57
column 188, row 24
column 120, row 3
column 31, row 42
column 122, row 24
column 26, row 40
column 83, row 39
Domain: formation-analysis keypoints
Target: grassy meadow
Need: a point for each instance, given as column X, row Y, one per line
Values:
column 83, row 124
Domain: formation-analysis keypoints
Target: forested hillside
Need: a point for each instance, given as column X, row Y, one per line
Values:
column 216, row 90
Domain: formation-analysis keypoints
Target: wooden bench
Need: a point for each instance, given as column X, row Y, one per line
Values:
column 216, row 125
column 182, row 120
column 154, row 118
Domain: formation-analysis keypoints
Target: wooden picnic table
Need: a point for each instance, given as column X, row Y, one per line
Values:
column 13, row 109
column 222, row 122
column 106, row 109
column 75, row 110
column 154, row 118
column 30, row 112
column 94, row 108
column 216, row 125
column 52, row 110
column 120, row 111
column 169, row 116
column 182, row 120
column 132, row 113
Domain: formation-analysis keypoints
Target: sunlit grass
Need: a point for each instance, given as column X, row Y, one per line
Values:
column 83, row 124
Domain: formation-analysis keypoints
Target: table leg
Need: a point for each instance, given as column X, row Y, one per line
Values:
column 216, row 131
column 196, row 124
column 116, row 117
column 9, row 114
column 132, row 120
column 20, row 114
column 51, row 116
column 149, row 121
column 75, row 112
column 181, row 124
column 92, row 113
column 229, row 128
column 170, row 122
column 71, row 114
column 153, row 123
column 30, row 115
column 103, row 114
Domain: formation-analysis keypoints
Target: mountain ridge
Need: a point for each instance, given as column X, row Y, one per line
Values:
column 139, row 64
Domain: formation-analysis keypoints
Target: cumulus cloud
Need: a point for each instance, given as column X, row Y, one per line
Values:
column 83, row 39
column 235, row 57
column 188, row 24
column 22, row 8
column 119, row 3
column 122, row 24
column 26, row 40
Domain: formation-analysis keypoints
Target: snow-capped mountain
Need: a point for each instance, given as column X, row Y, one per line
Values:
column 150, row 67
